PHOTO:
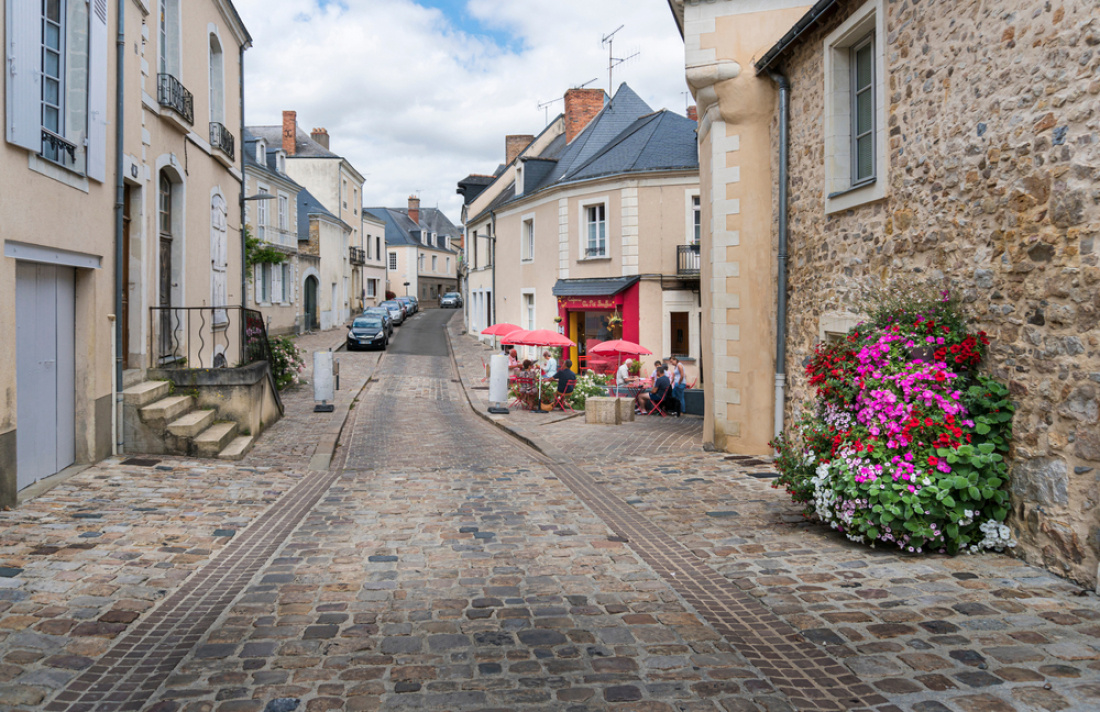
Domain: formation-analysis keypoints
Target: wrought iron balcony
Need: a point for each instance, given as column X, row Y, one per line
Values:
column 56, row 148
column 171, row 93
column 221, row 139
column 358, row 256
column 687, row 261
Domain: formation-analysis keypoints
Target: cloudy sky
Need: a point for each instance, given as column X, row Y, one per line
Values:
column 418, row 94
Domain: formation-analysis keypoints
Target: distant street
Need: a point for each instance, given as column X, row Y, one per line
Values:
column 441, row 564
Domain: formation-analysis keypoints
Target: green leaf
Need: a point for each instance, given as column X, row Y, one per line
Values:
column 960, row 483
column 985, row 447
column 981, row 428
column 975, row 493
column 872, row 533
column 949, row 501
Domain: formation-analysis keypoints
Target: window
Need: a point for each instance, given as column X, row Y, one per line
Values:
column 696, row 219
column 57, row 82
column 529, row 310
column 217, row 81
column 345, row 193
column 378, row 247
column 420, row 262
column 855, row 109
column 261, row 215
column 473, row 244
column 280, row 162
column 288, row 285
column 435, row 263
column 370, row 244
column 448, row 265
column 595, row 231
column 372, row 289
column 284, row 211
column 393, row 261
column 168, row 35
column 265, row 282
column 679, row 326
column 863, row 110
column 261, row 152
column 527, row 240
column 165, row 207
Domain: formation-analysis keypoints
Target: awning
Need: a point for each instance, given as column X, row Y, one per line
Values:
column 602, row 287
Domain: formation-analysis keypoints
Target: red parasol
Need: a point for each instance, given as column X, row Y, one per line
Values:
column 620, row 346
column 538, row 337
column 500, row 329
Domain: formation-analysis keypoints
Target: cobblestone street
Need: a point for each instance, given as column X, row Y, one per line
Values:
column 440, row 563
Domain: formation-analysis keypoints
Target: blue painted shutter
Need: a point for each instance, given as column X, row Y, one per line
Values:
column 24, row 66
column 97, row 91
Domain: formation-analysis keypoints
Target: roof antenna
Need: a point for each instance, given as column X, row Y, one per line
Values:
column 546, row 106
column 612, row 60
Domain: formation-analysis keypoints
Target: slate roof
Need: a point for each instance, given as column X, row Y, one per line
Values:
column 660, row 141
column 308, row 205
column 304, row 145
column 401, row 230
column 266, row 168
column 599, row 287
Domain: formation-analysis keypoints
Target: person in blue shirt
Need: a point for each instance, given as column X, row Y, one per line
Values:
column 662, row 386
column 550, row 367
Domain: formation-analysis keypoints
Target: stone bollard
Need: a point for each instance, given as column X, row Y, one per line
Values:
column 625, row 406
column 601, row 411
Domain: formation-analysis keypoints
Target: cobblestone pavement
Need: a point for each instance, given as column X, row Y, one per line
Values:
column 441, row 565
column 931, row 633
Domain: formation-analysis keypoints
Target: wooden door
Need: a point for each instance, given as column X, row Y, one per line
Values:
column 165, row 296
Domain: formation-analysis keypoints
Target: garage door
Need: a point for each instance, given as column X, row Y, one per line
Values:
column 45, row 370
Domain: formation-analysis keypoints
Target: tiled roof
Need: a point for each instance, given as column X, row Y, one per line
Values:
column 308, row 205
column 600, row 287
column 304, row 145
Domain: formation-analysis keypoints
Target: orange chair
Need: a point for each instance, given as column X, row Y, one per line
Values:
column 561, row 400
column 658, row 406
column 527, row 392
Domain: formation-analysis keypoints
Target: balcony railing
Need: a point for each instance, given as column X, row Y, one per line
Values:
column 358, row 256
column 208, row 337
column 175, row 96
column 687, row 261
column 221, row 139
column 56, row 148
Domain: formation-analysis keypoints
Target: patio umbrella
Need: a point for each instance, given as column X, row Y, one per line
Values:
column 538, row 337
column 500, row 329
column 620, row 347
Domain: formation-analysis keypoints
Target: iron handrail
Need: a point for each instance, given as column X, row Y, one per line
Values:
column 687, row 260
column 221, row 139
column 172, row 93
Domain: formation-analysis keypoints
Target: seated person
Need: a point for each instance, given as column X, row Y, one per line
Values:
column 657, row 365
column 513, row 363
column 527, row 386
column 566, row 378
column 658, row 394
column 622, row 375
column 550, row 367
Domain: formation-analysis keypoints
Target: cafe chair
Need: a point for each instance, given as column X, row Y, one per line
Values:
column 561, row 400
column 658, row 406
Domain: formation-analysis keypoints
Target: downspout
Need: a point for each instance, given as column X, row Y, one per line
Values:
column 781, row 281
column 120, row 198
column 493, row 266
column 244, row 252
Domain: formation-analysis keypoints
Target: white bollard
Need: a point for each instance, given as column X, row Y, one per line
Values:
column 323, row 390
column 498, row 383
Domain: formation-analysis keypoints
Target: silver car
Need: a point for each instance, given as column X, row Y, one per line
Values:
column 397, row 312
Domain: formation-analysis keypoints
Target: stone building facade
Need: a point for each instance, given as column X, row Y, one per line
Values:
column 986, row 159
column 992, row 161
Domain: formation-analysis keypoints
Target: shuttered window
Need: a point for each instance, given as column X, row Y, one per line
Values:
column 863, row 110
column 56, row 100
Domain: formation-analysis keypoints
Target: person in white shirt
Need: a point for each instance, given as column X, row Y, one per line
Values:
column 622, row 376
column 550, row 367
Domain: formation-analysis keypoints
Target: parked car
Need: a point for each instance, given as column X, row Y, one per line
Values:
column 410, row 305
column 450, row 299
column 367, row 332
column 416, row 303
column 383, row 314
column 396, row 309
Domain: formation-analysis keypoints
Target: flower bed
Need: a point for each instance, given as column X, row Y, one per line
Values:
column 905, row 442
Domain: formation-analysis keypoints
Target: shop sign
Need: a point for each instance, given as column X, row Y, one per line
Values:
column 589, row 303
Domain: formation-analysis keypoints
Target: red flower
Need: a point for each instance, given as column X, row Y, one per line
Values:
column 941, row 376
column 933, row 461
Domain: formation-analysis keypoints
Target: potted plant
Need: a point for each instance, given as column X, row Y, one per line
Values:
column 548, row 388
column 635, row 368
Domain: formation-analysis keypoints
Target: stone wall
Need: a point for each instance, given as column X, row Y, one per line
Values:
column 994, row 161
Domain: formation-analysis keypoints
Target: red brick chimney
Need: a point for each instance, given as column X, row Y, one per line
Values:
column 290, row 132
column 581, row 106
column 693, row 113
column 514, row 145
column 414, row 209
column 320, row 136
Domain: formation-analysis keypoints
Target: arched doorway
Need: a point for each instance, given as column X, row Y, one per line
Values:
column 312, row 320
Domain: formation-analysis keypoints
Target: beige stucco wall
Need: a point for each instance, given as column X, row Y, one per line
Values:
column 991, row 186
column 479, row 277
column 722, row 39
column 373, row 231
column 281, row 316
column 334, row 269
column 405, row 272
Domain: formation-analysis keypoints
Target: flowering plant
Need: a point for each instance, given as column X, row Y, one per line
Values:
column 905, row 442
column 286, row 363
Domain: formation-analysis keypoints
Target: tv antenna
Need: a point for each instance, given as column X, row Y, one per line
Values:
column 612, row 60
column 545, row 105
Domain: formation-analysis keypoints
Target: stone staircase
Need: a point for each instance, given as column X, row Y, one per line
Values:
column 158, row 422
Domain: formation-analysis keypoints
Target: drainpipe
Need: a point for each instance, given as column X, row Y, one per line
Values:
column 120, row 195
column 493, row 242
column 781, row 286
column 244, row 268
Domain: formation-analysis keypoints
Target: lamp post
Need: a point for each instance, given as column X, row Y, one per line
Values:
column 406, row 289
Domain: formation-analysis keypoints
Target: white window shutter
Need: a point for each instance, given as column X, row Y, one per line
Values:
column 98, row 47
column 258, row 280
column 23, row 58
column 277, row 283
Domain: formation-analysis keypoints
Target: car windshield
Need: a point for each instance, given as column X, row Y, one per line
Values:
column 366, row 324
column 391, row 305
column 451, row 295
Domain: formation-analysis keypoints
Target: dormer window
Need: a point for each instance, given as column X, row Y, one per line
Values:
column 261, row 152
column 280, row 161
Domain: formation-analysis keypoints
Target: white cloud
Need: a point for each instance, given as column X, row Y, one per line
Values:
column 415, row 103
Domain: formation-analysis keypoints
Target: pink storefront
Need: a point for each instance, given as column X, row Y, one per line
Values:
column 592, row 311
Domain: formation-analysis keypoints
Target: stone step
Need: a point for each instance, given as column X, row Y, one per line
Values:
column 167, row 409
column 213, row 440
column 192, row 424
column 237, row 449
column 132, row 377
column 146, row 392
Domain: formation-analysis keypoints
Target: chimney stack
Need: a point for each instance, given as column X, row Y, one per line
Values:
column 320, row 136
column 290, row 132
column 414, row 209
column 693, row 113
column 581, row 106
column 514, row 145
